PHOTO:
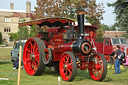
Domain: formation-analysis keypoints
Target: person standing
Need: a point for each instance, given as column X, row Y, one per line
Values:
column 117, row 60
column 112, row 55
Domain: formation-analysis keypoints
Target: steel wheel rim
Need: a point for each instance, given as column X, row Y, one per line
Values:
column 31, row 57
column 66, row 66
column 96, row 72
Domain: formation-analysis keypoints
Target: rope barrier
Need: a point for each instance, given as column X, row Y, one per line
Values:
column 5, row 60
column 10, row 75
column 8, row 60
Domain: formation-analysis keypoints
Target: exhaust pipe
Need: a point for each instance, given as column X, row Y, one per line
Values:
column 80, row 20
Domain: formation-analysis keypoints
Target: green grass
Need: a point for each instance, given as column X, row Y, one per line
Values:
column 5, row 53
column 51, row 78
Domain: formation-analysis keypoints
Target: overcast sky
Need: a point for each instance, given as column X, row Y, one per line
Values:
column 108, row 16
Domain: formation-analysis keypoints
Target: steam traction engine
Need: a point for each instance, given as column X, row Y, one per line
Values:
column 64, row 46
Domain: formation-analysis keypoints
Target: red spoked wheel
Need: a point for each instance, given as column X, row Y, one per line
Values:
column 99, row 71
column 68, row 66
column 32, row 57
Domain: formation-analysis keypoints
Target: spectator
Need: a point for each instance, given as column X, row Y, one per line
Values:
column 112, row 55
column 16, row 64
column 117, row 60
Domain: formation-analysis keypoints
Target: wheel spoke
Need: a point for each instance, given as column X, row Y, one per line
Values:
column 37, row 59
column 65, row 58
column 101, row 70
column 63, row 62
column 33, row 66
column 94, row 72
column 29, row 66
column 66, row 74
column 37, row 55
column 31, row 46
column 35, row 48
column 36, row 65
column 28, row 60
column 97, row 74
column 97, row 60
column 69, row 66
column 70, row 72
column 68, row 58
column 27, row 50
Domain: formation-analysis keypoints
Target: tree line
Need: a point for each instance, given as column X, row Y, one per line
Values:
column 121, row 20
column 24, row 33
column 121, row 11
column 68, row 9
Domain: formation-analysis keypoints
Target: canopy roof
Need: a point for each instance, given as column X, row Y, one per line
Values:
column 54, row 21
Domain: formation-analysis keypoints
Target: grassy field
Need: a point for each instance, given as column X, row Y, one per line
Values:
column 51, row 78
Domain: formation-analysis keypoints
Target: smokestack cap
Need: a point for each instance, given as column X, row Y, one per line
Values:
column 81, row 12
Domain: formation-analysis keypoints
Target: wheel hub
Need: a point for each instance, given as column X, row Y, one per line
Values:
column 32, row 56
column 65, row 66
column 98, row 67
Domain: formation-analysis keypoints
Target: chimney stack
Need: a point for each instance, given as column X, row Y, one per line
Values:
column 12, row 6
column 80, row 19
column 28, row 7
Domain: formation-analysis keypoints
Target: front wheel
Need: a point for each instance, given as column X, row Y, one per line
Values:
column 68, row 66
column 99, row 67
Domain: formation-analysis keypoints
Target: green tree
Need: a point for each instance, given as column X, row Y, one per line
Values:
column 33, row 31
column 100, row 32
column 99, row 35
column 113, row 27
column 104, row 27
column 94, row 12
column 23, row 32
column 13, row 36
column 68, row 8
column 0, row 37
column 121, row 11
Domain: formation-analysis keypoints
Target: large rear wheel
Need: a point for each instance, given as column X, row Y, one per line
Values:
column 68, row 66
column 99, row 64
column 32, row 57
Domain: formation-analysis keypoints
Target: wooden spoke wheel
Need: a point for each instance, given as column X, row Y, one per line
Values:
column 32, row 57
column 68, row 66
column 99, row 71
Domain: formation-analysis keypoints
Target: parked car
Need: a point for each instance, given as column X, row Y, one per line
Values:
column 15, row 51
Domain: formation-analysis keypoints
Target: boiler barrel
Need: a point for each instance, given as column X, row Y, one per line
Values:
column 83, row 47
